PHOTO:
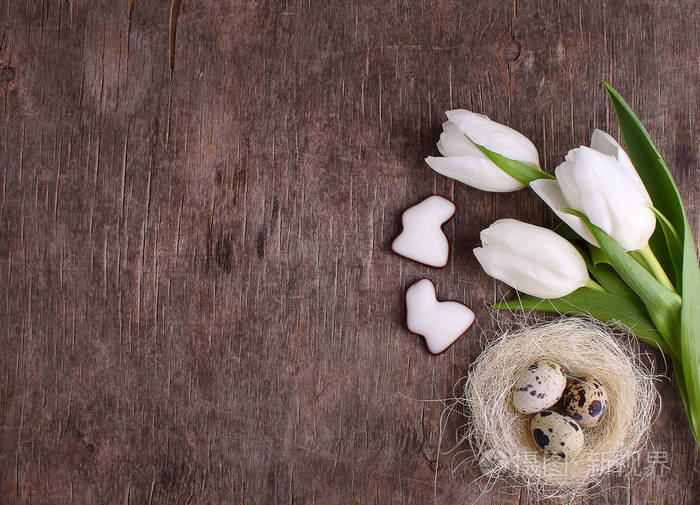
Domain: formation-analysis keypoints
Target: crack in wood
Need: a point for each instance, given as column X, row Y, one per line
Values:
column 172, row 33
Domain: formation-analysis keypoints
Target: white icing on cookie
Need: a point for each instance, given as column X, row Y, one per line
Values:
column 422, row 238
column 440, row 323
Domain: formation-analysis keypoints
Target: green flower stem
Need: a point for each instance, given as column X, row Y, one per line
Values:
column 591, row 284
column 655, row 267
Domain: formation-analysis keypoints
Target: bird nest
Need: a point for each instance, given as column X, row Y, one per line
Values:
column 500, row 437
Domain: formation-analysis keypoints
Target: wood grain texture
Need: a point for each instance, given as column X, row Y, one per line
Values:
column 198, row 301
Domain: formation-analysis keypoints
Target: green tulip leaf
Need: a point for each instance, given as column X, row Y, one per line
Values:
column 690, row 333
column 604, row 276
column 662, row 304
column 668, row 203
column 675, row 247
column 612, row 283
column 522, row 172
column 598, row 255
column 656, row 177
column 616, row 311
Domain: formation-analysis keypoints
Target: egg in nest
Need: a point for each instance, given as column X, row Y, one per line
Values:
column 539, row 387
column 586, row 401
column 556, row 435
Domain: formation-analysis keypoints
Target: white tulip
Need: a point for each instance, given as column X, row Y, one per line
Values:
column 601, row 182
column 549, row 191
column 464, row 162
column 531, row 259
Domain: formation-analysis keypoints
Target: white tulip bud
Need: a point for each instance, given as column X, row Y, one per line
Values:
column 531, row 259
column 602, row 183
column 464, row 162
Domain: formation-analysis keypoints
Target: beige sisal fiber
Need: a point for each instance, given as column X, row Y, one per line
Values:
column 500, row 437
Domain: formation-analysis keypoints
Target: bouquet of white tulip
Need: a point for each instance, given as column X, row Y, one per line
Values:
column 608, row 259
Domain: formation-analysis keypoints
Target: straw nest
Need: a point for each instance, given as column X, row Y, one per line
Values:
column 500, row 437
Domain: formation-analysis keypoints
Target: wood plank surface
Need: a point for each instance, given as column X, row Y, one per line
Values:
column 198, row 304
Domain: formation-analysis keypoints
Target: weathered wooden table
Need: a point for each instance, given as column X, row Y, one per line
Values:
column 198, row 301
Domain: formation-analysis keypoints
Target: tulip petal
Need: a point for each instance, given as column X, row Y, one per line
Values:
column 596, row 184
column 531, row 259
column 455, row 143
column 498, row 262
column 476, row 171
column 550, row 192
column 606, row 144
column 494, row 136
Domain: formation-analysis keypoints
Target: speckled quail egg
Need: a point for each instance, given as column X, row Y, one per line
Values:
column 586, row 401
column 556, row 435
column 539, row 387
